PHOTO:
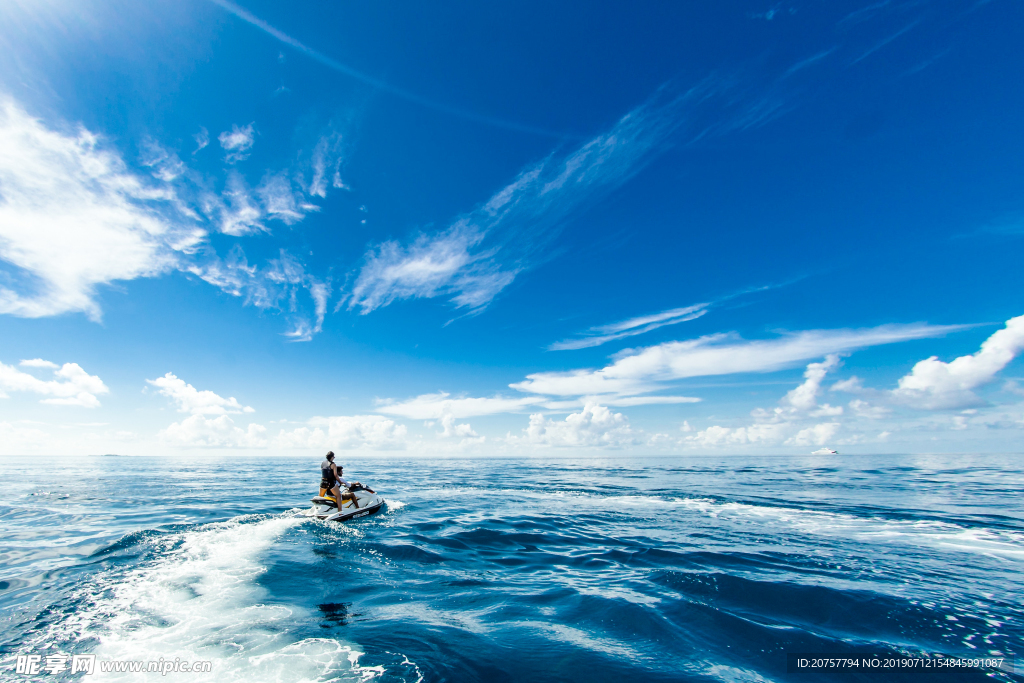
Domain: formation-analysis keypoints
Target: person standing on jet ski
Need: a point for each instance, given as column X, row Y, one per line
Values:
column 331, row 481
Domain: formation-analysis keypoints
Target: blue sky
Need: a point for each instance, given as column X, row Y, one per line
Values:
column 510, row 228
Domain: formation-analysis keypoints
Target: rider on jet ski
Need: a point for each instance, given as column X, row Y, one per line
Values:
column 331, row 481
column 351, row 485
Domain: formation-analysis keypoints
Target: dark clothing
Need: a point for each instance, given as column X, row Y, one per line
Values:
column 329, row 480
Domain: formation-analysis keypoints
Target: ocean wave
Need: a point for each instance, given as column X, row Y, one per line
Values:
column 198, row 599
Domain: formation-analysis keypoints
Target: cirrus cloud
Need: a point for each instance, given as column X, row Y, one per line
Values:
column 73, row 217
column 644, row 370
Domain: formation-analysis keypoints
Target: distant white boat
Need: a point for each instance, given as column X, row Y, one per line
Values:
column 825, row 451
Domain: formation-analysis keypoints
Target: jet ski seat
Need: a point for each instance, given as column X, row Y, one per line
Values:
column 329, row 500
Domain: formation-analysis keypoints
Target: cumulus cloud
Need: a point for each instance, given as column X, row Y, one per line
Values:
column 805, row 396
column 864, row 409
column 191, row 400
column 237, row 142
column 72, row 218
column 199, row 431
column 458, row 431
column 783, row 424
column 642, row 370
column 603, row 334
column 818, row 435
column 933, row 384
column 717, row 435
column 595, row 425
column 71, row 386
column 373, row 432
column 765, row 434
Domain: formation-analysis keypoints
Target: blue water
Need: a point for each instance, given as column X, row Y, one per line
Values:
column 660, row 569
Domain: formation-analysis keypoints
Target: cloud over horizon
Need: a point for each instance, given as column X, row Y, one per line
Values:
column 933, row 384
column 71, row 386
column 637, row 371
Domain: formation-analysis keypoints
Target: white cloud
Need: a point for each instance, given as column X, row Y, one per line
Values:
column 629, row 401
column 320, row 292
column 864, row 409
column 430, row 266
column 240, row 211
column 237, row 211
column 237, row 142
column 191, row 400
column 440, row 405
column 38, row 363
column 459, row 431
column 803, row 400
column 602, row 334
column 276, row 285
column 202, row 139
column 280, row 201
column 327, row 159
column 481, row 252
column 818, row 435
column 373, row 432
column 165, row 164
column 72, row 385
column 72, row 217
column 853, row 385
column 200, row 431
column 741, row 436
column 933, row 384
column 805, row 396
column 17, row 440
column 595, row 425
column 639, row 371
column 783, row 423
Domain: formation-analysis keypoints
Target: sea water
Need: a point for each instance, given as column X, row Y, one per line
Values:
column 544, row 569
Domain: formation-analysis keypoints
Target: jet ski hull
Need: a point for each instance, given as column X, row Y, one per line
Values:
column 327, row 510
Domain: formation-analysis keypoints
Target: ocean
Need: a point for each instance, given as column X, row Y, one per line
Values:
column 544, row 569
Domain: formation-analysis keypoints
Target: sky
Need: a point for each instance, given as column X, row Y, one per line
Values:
column 510, row 229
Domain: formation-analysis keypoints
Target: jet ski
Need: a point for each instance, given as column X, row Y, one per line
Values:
column 326, row 507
